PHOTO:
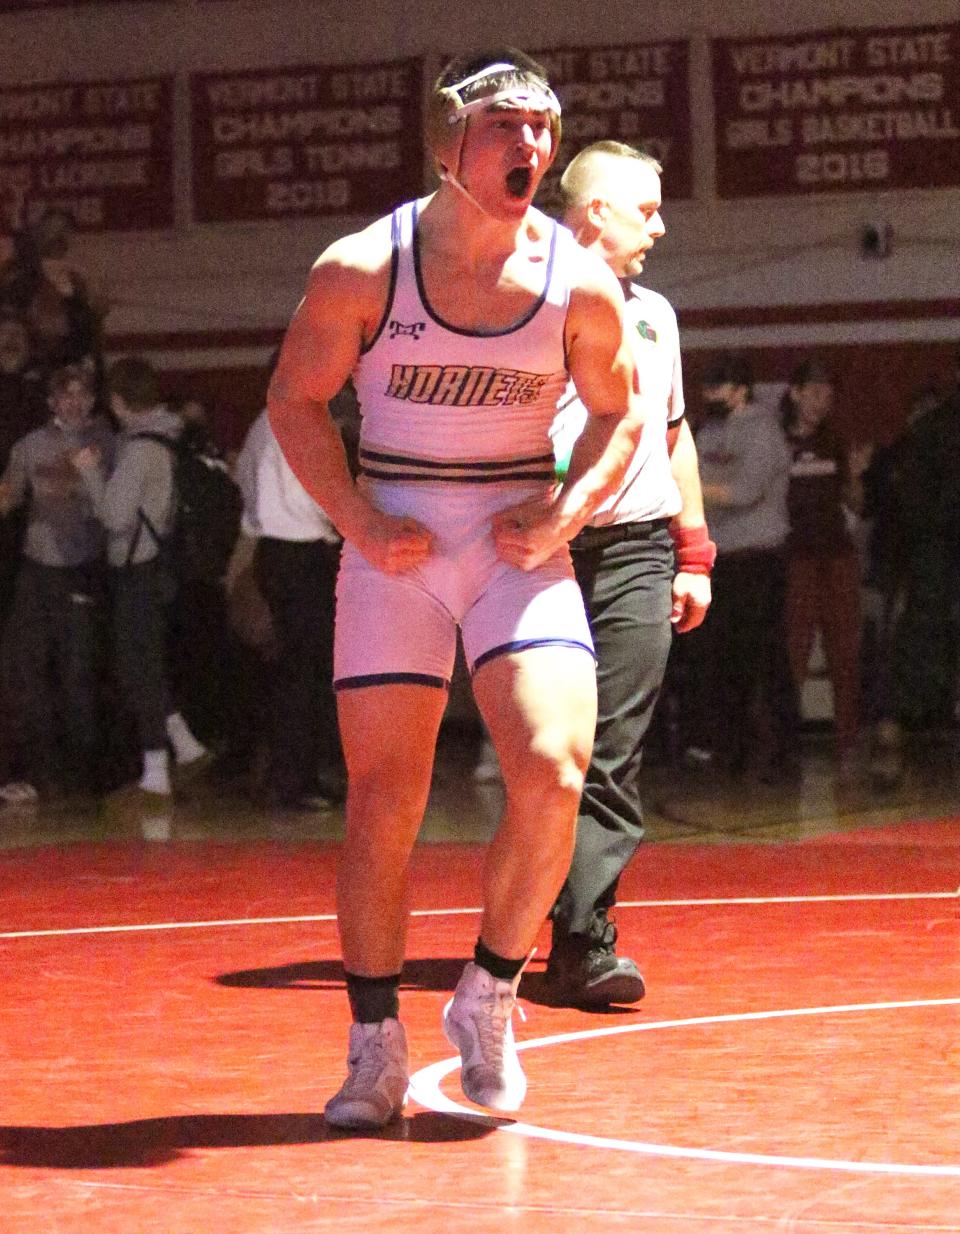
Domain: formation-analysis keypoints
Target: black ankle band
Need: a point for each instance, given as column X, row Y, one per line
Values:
column 496, row 965
column 373, row 999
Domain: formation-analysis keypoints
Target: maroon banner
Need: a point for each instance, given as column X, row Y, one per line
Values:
column 102, row 151
column 11, row 6
column 838, row 110
column 637, row 93
column 310, row 140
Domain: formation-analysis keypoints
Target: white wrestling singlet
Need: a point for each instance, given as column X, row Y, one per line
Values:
column 455, row 428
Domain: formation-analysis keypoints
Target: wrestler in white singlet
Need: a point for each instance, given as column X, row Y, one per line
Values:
column 456, row 427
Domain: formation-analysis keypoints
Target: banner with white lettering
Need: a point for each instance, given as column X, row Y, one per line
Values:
column 102, row 151
column 838, row 110
column 638, row 93
column 310, row 140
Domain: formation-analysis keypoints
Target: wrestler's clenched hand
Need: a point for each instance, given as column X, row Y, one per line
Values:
column 393, row 544
column 528, row 534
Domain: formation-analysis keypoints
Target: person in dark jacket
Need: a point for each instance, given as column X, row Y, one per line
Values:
column 53, row 649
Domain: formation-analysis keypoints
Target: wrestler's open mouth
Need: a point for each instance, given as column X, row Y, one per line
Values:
column 518, row 181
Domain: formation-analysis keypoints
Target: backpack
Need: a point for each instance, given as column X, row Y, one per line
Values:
column 206, row 521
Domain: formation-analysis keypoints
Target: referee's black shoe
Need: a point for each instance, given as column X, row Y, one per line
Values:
column 584, row 970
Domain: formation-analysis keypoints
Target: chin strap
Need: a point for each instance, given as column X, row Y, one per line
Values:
column 449, row 178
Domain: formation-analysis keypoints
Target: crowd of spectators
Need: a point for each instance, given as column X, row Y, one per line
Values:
column 856, row 543
column 119, row 666
column 104, row 651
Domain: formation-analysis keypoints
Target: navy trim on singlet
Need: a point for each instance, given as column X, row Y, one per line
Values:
column 679, row 420
column 441, row 465
column 394, row 270
column 484, row 471
column 517, row 325
column 525, row 644
column 418, row 477
column 391, row 679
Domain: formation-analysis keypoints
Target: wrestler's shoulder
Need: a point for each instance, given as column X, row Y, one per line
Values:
column 359, row 256
column 593, row 283
column 587, row 271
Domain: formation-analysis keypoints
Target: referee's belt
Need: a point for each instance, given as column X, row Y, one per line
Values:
column 617, row 533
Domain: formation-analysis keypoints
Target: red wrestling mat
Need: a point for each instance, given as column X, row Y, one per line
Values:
column 172, row 1022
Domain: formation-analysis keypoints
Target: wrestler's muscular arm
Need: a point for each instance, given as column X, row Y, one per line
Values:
column 601, row 362
column 341, row 307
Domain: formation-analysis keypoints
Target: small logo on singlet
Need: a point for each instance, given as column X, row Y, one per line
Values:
column 645, row 330
column 414, row 330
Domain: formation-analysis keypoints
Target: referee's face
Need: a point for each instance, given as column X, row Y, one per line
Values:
column 633, row 223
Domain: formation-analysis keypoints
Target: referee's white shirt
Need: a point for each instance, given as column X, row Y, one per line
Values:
column 275, row 503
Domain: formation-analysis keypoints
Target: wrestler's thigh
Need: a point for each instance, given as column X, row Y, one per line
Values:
column 389, row 736
column 539, row 704
column 390, row 629
column 521, row 609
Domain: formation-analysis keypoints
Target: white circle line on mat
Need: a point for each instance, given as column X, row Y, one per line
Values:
column 425, row 1089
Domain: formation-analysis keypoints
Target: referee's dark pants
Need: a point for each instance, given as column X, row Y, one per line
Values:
column 626, row 576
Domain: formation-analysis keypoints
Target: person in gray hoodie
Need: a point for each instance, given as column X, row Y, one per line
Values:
column 140, row 495
column 746, row 704
column 53, row 640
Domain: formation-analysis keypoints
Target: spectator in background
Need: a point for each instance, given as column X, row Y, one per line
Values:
column 912, row 493
column 823, row 569
column 741, row 691
column 197, row 431
column 296, row 559
column 23, row 405
column 38, row 283
column 23, row 408
column 206, row 671
column 136, row 505
column 55, row 627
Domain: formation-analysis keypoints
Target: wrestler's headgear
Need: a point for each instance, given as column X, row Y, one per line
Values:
column 448, row 109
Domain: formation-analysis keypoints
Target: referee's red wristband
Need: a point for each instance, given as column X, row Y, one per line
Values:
column 695, row 551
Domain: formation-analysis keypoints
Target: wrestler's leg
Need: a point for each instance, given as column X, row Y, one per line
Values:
column 393, row 657
column 539, row 706
column 389, row 734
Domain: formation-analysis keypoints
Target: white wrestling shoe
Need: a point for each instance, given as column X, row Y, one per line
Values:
column 477, row 1020
column 375, row 1090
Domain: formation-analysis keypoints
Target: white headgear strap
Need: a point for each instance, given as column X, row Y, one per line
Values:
column 525, row 97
